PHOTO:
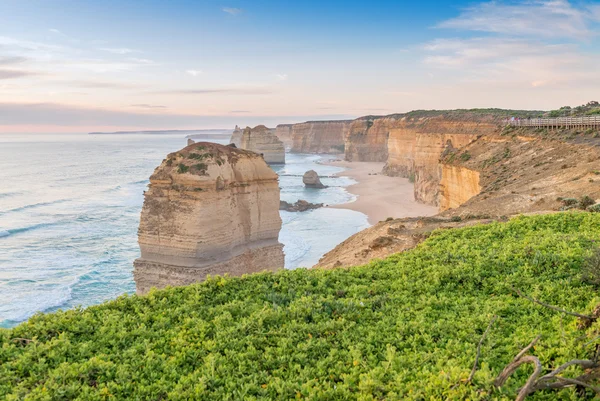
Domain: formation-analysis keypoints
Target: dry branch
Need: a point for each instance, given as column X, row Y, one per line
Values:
column 587, row 317
column 479, row 349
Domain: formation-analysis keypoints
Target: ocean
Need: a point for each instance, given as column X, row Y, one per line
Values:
column 70, row 208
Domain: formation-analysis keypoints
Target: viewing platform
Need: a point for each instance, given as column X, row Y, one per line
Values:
column 559, row 122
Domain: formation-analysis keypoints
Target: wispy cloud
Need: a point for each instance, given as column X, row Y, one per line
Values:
column 148, row 106
column 120, row 50
column 544, row 18
column 282, row 77
column 99, row 84
column 232, row 10
column 194, row 73
column 11, row 74
column 12, row 60
column 209, row 91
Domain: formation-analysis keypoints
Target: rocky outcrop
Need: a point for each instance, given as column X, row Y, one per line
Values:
column 367, row 138
column 311, row 180
column 416, row 145
column 209, row 209
column 190, row 141
column 319, row 136
column 284, row 133
column 300, row 206
column 458, row 185
column 263, row 141
column 491, row 178
column 236, row 137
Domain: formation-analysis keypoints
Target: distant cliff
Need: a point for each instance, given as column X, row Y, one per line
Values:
column 263, row 141
column 319, row 136
column 367, row 138
column 209, row 209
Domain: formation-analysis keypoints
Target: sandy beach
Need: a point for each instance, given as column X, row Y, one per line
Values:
column 380, row 196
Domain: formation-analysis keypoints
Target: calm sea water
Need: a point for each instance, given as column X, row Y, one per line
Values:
column 70, row 208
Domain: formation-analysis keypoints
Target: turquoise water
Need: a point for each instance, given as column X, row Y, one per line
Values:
column 70, row 206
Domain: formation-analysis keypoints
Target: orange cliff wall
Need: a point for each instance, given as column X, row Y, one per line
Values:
column 415, row 149
column 319, row 136
column 367, row 139
column 458, row 185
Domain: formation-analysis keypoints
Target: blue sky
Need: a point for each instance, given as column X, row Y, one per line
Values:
column 74, row 66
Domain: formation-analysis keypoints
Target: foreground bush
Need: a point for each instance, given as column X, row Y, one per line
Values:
column 403, row 328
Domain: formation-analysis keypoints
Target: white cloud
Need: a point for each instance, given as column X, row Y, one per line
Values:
column 194, row 73
column 54, row 30
column 282, row 77
column 232, row 10
column 543, row 18
column 120, row 50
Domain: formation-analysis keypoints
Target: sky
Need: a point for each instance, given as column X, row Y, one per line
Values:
column 105, row 65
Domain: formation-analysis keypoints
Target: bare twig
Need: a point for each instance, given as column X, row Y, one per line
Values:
column 22, row 340
column 585, row 364
column 528, row 388
column 479, row 349
column 587, row 317
column 578, row 383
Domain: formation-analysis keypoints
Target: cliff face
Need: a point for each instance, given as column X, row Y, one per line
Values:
column 489, row 179
column 415, row 148
column 284, row 133
column 458, row 185
column 319, row 136
column 236, row 137
column 209, row 209
column 263, row 141
column 367, row 139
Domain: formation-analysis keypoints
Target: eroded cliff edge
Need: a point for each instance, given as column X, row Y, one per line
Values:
column 491, row 178
column 209, row 209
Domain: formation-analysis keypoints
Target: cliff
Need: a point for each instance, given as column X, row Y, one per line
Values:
column 367, row 138
column 416, row 145
column 284, row 133
column 236, row 137
column 263, row 141
column 319, row 136
column 209, row 209
column 490, row 178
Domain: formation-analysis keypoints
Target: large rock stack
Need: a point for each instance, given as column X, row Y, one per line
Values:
column 209, row 209
column 263, row 141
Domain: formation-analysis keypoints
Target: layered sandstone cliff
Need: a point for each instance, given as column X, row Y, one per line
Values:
column 367, row 138
column 209, row 209
column 319, row 136
column 489, row 179
column 263, row 141
column 416, row 145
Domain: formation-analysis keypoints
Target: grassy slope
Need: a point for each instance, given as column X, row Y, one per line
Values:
column 403, row 328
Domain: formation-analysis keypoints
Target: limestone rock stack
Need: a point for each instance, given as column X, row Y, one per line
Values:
column 284, row 133
column 236, row 137
column 263, row 141
column 209, row 209
column 311, row 180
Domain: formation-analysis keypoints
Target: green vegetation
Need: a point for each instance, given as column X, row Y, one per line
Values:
column 465, row 156
column 198, row 156
column 411, row 178
column 584, row 203
column 406, row 327
column 182, row 168
column 590, row 108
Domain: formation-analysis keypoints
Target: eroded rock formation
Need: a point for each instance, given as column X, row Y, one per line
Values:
column 367, row 138
column 311, row 180
column 236, row 137
column 209, row 209
column 263, row 141
column 319, row 136
column 284, row 133
column 416, row 145
column 300, row 206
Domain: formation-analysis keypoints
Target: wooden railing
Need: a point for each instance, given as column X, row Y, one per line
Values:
column 567, row 122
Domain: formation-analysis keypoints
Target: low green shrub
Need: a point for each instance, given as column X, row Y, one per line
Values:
column 403, row 328
column 182, row 168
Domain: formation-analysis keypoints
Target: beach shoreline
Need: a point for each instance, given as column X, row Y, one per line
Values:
column 379, row 196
